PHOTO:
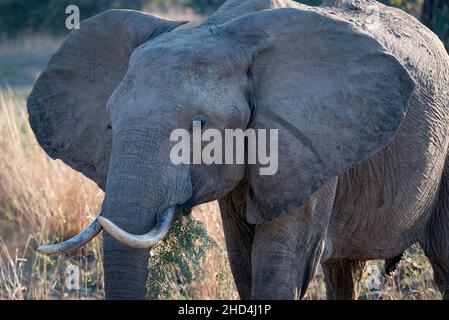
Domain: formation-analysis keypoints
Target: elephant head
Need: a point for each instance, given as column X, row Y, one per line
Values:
column 117, row 88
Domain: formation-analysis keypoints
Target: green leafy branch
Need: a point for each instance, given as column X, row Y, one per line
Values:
column 175, row 264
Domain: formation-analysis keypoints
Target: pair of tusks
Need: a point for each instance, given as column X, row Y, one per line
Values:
column 145, row 241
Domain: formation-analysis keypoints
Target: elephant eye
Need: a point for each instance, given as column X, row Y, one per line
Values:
column 201, row 119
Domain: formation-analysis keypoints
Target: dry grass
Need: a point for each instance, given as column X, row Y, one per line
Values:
column 43, row 200
column 40, row 200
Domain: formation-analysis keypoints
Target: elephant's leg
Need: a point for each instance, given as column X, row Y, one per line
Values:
column 239, row 236
column 287, row 250
column 342, row 278
column 441, row 273
column 436, row 247
column 435, row 241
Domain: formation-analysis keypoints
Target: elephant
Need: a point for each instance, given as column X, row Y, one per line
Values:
column 357, row 90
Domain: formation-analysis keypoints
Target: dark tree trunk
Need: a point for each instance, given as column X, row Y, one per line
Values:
column 427, row 13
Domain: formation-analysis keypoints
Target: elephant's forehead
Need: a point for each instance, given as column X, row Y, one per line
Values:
column 191, row 37
column 186, row 50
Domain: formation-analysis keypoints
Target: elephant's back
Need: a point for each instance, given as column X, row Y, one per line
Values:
column 383, row 203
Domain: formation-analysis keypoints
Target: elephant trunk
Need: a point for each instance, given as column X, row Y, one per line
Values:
column 141, row 186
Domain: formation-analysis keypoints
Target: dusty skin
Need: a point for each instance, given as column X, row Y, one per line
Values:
column 362, row 116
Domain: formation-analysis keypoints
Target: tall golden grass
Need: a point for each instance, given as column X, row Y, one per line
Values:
column 43, row 200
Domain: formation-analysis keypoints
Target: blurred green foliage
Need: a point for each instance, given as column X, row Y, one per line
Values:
column 310, row 2
column 18, row 16
column 435, row 15
column 204, row 6
column 413, row 7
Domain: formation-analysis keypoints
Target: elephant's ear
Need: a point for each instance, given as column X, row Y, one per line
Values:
column 334, row 94
column 67, row 107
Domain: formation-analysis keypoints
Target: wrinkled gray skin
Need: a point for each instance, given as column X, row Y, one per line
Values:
column 362, row 113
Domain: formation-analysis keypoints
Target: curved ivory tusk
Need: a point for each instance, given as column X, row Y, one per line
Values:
column 74, row 243
column 145, row 241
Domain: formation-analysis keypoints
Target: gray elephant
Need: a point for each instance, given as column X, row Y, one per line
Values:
column 358, row 92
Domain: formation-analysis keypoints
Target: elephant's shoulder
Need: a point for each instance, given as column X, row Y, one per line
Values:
column 414, row 45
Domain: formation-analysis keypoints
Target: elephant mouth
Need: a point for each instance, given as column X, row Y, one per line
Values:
column 163, row 223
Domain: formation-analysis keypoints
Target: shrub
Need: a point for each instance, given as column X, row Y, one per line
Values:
column 177, row 260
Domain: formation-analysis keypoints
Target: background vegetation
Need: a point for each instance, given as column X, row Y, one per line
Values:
column 42, row 200
column 17, row 16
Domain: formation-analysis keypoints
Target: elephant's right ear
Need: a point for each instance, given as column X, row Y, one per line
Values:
column 67, row 107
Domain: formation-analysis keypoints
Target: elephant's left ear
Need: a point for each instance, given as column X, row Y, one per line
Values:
column 335, row 95
column 67, row 107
